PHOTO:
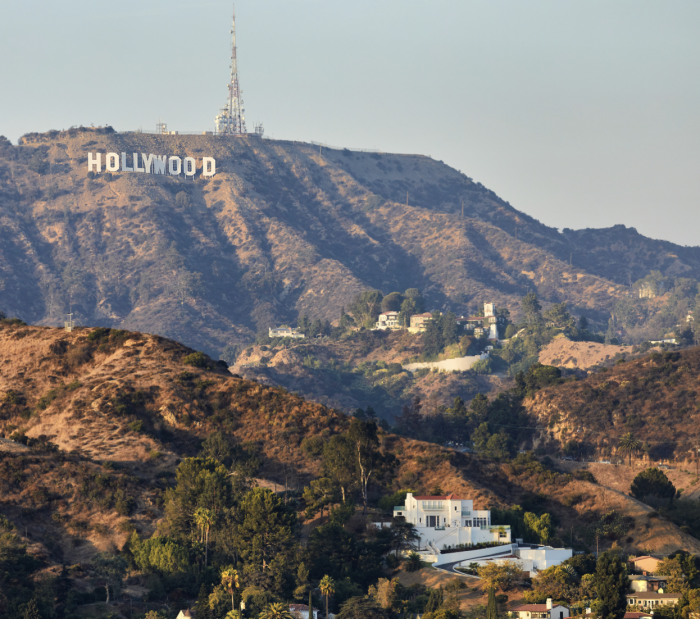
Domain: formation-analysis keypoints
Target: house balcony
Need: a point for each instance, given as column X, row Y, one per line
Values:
column 399, row 508
column 466, row 513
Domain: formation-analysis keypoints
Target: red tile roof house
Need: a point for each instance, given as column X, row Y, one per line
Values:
column 540, row 611
column 302, row 611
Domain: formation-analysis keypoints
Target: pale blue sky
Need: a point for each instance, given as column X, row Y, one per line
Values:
column 582, row 114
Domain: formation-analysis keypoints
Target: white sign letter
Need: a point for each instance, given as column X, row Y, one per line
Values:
column 124, row 168
column 95, row 162
column 190, row 166
column 147, row 162
column 208, row 166
column 159, row 164
column 136, row 163
column 112, row 162
column 171, row 162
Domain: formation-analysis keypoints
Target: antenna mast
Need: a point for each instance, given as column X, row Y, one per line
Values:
column 231, row 120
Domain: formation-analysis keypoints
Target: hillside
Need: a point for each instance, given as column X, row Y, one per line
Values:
column 108, row 415
column 283, row 229
column 562, row 352
column 360, row 371
column 654, row 397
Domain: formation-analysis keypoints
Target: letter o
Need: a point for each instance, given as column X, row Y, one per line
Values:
column 171, row 165
column 190, row 166
column 112, row 163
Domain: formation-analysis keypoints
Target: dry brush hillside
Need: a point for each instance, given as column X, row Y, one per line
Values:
column 123, row 408
column 282, row 230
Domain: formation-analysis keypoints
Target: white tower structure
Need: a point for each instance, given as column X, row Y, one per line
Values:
column 231, row 120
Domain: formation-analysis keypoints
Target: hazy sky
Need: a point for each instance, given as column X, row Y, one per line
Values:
column 582, row 114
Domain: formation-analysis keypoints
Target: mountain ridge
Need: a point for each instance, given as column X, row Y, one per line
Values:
column 281, row 231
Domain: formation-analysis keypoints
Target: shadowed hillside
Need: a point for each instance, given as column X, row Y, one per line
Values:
column 281, row 230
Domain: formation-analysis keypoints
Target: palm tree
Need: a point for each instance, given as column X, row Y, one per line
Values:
column 628, row 444
column 276, row 611
column 327, row 588
column 229, row 579
column 204, row 518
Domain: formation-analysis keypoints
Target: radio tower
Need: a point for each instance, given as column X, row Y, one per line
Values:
column 231, row 120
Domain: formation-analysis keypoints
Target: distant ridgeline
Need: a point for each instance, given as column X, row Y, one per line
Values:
column 151, row 164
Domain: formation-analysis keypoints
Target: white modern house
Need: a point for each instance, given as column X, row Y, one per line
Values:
column 549, row 610
column 450, row 520
column 387, row 320
column 286, row 332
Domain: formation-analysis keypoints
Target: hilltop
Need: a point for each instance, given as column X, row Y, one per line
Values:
column 284, row 229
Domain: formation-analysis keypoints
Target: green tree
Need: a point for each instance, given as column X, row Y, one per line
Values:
column 501, row 576
column 31, row 610
column 653, row 482
column 109, row 571
column 201, row 482
column 161, row 555
column 369, row 458
column 435, row 600
column 202, row 610
column 366, row 306
column 266, row 537
column 408, row 308
column 277, row 610
column 531, row 306
column 611, row 584
column 230, row 582
column 413, row 562
column 340, row 464
column 205, row 518
column 327, row 589
column 318, row 494
column 392, row 302
column 417, row 297
column 433, row 342
column 629, row 445
column 558, row 314
column 491, row 608
column 541, row 527
column 449, row 328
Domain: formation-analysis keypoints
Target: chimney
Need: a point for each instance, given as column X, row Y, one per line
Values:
column 549, row 603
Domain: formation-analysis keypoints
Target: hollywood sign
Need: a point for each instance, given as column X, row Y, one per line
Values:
column 151, row 164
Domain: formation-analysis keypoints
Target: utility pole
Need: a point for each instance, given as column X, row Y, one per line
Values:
column 407, row 197
column 462, row 208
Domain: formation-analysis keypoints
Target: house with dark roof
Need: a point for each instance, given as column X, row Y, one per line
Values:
column 644, row 584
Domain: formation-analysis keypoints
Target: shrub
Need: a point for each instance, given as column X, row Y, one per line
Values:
column 413, row 562
column 312, row 446
column 197, row 360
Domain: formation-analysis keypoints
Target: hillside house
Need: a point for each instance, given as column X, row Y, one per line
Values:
column 388, row 320
column 286, row 332
column 301, row 611
column 185, row 614
column 652, row 599
column 419, row 322
column 646, row 564
column 647, row 584
column 549, row 610
column 450, row 520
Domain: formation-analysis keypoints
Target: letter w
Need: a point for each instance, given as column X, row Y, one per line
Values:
column 158, row 164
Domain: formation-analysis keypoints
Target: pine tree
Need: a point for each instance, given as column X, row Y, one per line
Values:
column 202, row 610
column 491, row 609
column 611, row 584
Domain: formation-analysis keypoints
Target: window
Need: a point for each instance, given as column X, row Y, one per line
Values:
column 455, row 508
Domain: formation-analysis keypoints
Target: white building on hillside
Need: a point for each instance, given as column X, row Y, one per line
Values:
column 388, row 320
column 450, row 520
column 286, row 332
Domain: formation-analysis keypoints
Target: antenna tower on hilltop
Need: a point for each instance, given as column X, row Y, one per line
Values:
column 231, row 120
